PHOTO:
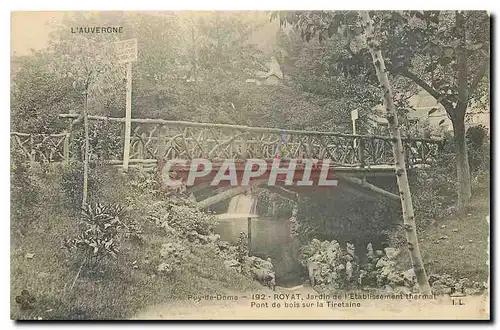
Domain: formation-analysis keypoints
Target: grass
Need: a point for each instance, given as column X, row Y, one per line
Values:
column 464, row 253
column 116, row 290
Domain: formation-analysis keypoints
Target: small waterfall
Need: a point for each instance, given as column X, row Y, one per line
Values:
column 241, row 206
column 231, row 224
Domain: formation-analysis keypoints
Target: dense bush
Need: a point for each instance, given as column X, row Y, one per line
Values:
column 181, row 215
column 434, row 191
column 478, row 149
column 433, row 194
column 24, row 192
column 104, row 141
column 105, row 184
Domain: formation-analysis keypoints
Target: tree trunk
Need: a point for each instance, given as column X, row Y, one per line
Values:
column 462, row 160
column 397, row 147
column 458, row 118
column 87, row 149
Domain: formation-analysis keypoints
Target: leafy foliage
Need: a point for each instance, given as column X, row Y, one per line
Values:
column 105, row 141
column 479, row 148
column 100, row 229
column 38, row 95
column 181, row 215
column 433, row 43
column 242, row 248
column 445, row 53
column 72, row 184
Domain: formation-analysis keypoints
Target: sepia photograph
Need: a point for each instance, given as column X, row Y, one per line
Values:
column 250, row 165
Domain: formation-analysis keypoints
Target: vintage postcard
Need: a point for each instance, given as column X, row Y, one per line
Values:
column 257, row 165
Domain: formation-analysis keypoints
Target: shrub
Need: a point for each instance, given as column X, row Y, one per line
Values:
column 434, row 190
column 104, row 141
column 25, row 194
column 434, row 193
column 478, row 148
column 181, row 214
column 101, row 228
column 242, row 248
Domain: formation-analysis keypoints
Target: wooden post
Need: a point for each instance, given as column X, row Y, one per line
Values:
column 128, row 118
column 160, row 145
column 244, row 147
column 140, row 152
column 354, row 116
column 309, row 147
column 249, row 235
column 87, row 151
column 361, row 152
column 66, row 149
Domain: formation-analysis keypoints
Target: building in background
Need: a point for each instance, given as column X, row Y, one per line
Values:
column 437, row 122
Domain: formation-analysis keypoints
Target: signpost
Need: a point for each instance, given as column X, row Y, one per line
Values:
column 126, row 51
column 354, row 116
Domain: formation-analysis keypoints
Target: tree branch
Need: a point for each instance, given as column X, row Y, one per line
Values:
column 412, row 76
column 477, row 78
column 462, row 67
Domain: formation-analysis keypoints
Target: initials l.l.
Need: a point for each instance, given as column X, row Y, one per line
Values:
column 458, row 303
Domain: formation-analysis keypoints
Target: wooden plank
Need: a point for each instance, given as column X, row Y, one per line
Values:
column 369, row 186
column 228, row 194
column 36, row 134
column 246, row 128
column 128, row 118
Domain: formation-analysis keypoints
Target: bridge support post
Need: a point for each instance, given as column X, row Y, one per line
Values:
column 249, row 235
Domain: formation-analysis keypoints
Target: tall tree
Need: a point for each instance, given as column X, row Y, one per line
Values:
column 93, row 67
column 445, row 53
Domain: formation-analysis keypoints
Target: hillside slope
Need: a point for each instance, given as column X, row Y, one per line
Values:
column 116, row 289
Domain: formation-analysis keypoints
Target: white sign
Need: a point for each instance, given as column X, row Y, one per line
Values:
column 126, row 50
column 354, row 114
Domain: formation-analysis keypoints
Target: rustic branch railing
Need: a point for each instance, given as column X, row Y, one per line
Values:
column 152, row 139
column 41, row 148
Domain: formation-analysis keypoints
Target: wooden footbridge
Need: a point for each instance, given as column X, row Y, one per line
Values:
column 154, row 139
column 351, row 156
